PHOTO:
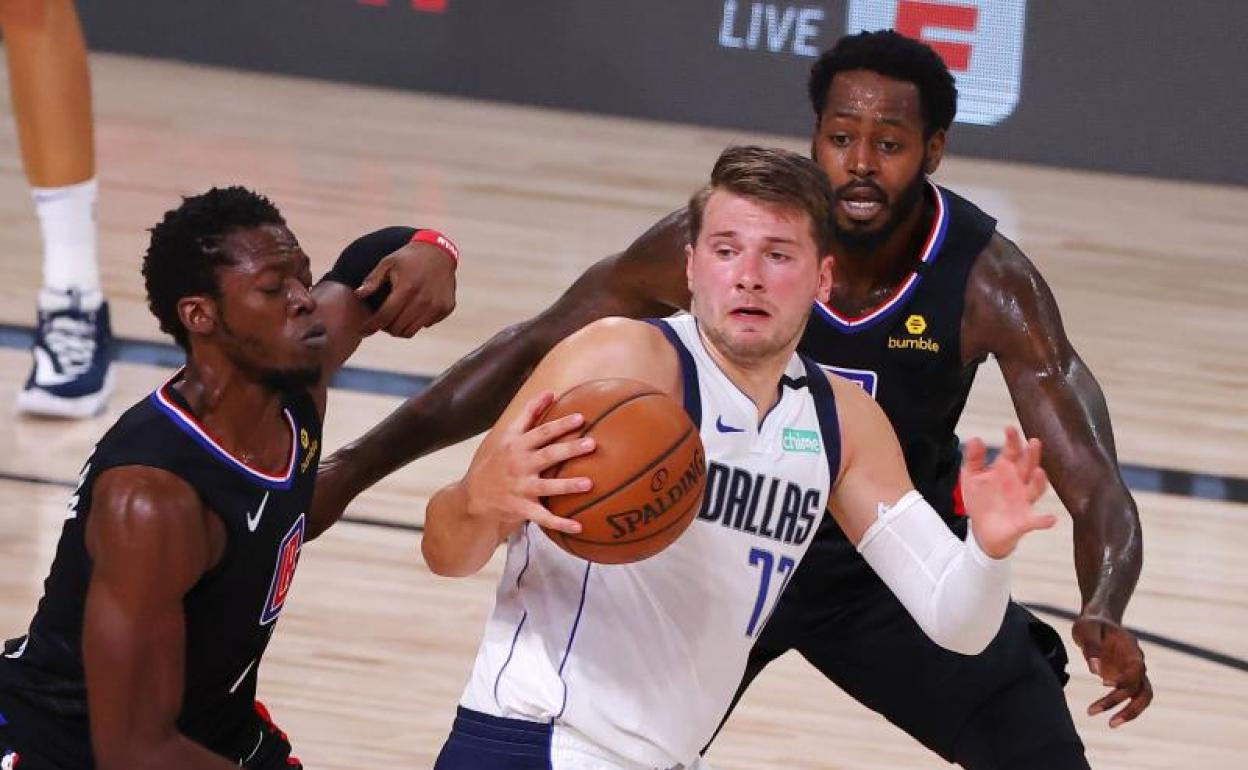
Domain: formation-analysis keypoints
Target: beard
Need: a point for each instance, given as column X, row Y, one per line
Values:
column 250, row 355
column 861, row 240
column 291, row 380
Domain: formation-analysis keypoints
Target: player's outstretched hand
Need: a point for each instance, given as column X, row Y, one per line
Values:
column 505, row 482
column 422, row 289
column 1115, row 656
column 999, row 496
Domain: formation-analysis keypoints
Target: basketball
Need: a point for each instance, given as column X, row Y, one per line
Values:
column 648, row 469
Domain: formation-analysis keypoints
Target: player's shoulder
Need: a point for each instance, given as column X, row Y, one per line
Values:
column 144, row 425
column 131, row 500
column 1002, row 258
column 616, row 347
column 613, row 333
column 1003, row 276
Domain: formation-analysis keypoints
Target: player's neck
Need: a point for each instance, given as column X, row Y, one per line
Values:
column 864, row 275
column 238, row 410
column 759, row 379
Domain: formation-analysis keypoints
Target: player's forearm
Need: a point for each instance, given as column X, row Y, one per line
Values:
column 462, row 402
column 456, row 543
column 1069, row 414
column 1108, row 550
column 953, row 590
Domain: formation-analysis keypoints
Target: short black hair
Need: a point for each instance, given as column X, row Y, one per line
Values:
column 186, row 249
column 892, row 55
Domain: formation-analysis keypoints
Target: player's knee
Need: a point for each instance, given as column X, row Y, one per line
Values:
column 1025, row 726
column 1058, row 755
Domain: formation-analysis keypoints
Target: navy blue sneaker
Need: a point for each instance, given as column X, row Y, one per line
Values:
column 72, row 351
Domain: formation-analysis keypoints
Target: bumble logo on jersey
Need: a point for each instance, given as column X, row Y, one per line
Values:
column 760, row 505
column 915, row 325
column 309, row 449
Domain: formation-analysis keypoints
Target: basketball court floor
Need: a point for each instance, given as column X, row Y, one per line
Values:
column 372, row 651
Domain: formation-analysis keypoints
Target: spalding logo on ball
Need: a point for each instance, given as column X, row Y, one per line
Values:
column 648, row 469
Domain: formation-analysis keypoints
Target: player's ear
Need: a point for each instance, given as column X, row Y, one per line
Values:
column 689, row 266
column 825, row 278
column 198, row 314
column 935, row 150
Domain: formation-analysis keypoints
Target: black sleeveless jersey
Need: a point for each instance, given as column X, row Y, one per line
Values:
column 907, row 352
column 230, row 612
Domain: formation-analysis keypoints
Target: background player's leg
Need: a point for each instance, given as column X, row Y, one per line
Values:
column 873, row 650
column 51, row 94
column 1012, row 730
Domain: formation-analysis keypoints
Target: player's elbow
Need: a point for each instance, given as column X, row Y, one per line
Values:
column 966, row 635
column 442, row 562
column 963, row 643
column 434, row 560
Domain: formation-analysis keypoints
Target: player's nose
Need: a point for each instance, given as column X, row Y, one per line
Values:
column 749, row 271
column 301, row 300
column 861, row 159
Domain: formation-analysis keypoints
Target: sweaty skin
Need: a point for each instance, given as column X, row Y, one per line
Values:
column 870, row 141
column 150, row 536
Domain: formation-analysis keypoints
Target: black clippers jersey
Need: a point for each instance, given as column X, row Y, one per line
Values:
column 230, row 612
column 907, row 352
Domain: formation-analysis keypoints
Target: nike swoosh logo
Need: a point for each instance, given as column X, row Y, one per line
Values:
column 259, row 743
column 252, row 523
column 46, row 375
column 719, row 426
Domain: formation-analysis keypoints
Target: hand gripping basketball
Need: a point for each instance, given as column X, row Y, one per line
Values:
column 648, row 471
column 505, row 483
column 999, row 496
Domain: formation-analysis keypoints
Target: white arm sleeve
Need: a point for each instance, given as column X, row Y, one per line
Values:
column 956, row 592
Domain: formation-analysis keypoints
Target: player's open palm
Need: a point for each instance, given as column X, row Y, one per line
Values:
column 505, row 480
column 999, row 497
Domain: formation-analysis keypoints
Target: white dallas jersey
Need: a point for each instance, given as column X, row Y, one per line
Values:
column 643, row 659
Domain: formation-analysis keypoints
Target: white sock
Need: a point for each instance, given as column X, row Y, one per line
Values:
column 67, row 219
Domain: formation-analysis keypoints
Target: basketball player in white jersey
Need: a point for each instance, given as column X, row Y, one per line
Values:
column 632, row 666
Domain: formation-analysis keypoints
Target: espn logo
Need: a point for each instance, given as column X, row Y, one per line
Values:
column 980, row 40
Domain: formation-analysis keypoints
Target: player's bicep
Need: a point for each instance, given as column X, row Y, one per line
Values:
column 646, row 279
column 1011, row 314
column 148, row 547
column 873, row 468
column 1056, row 397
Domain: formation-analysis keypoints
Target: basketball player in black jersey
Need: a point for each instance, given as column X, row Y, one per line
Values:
column 183, row 536
column 924, row 289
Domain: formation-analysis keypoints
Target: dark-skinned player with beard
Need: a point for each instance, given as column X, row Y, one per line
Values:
column 182, row 538
column 924, row 289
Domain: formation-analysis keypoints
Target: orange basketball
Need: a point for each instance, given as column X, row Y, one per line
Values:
column 648, row 469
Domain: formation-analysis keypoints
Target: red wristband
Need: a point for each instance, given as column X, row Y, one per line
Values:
column 436, row 238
